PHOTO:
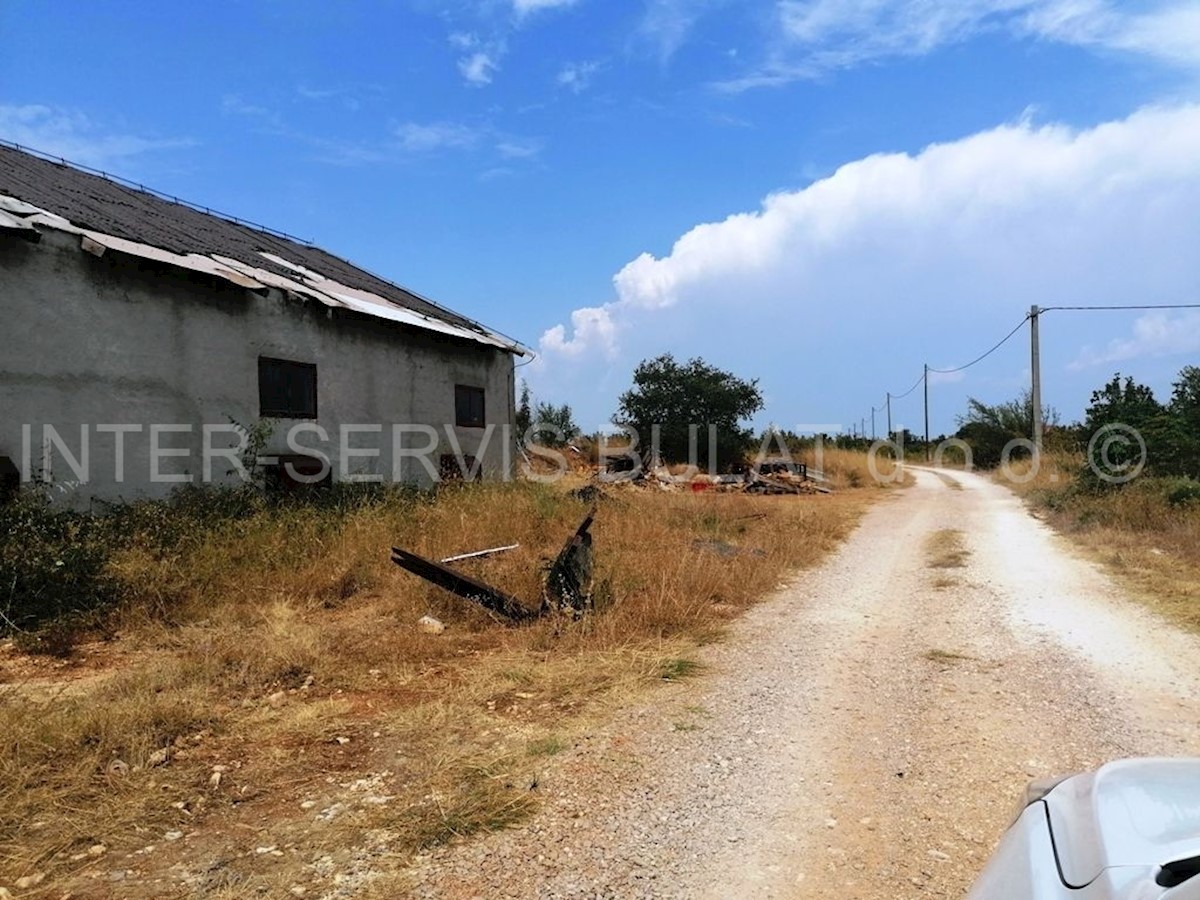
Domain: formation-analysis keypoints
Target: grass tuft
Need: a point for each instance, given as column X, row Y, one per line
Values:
column 945, row 550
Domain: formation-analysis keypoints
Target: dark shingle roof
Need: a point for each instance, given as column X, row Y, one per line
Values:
column 98, row 203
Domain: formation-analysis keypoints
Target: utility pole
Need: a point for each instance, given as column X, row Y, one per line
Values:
column 926, row 379
column 889, row 412
column 872, row 423
column 1036, row 368
column 862, row 427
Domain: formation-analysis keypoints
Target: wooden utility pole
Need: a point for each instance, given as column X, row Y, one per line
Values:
column 872, row 423
column 889, row 414
column 926, row 412
column 1036, row 368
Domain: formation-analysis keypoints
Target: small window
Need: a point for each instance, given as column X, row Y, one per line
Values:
column 468, row 406
column 286, row 389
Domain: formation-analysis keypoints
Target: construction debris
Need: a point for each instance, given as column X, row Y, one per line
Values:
column 770, row 479
column 569, row 582
column 567, row 588
column 465, row 586
column 480, row 553
column 430, row 625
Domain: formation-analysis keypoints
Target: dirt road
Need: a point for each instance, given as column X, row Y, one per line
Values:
column 865, row 732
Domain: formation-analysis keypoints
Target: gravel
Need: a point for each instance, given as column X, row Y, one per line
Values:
column 863, row 733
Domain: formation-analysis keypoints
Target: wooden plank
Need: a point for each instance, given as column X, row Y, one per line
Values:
column 464, row 585
column 480, row 553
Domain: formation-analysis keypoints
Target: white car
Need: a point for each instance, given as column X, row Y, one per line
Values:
column 1128, row 830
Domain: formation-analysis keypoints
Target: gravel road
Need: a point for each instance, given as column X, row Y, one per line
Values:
column 865, row 732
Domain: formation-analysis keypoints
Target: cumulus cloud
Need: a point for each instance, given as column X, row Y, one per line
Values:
column 592, row 329
column 997, row 220
column 814, row 36
column 1155, row 335
column 74, row 136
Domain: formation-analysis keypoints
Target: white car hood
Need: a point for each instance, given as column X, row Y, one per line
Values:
column 1138, row 812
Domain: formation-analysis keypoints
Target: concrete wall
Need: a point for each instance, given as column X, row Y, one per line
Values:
column 87, row 341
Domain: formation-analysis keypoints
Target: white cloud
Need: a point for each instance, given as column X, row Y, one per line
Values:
column 668, row 23
column 577, row 77
column 519, row 148
column 815, row 36
column 997, row 220
column 524, row 7
column 479, row 67
column 74, row 136
column 429, row 137
column 1155, row 335
column 592, row 329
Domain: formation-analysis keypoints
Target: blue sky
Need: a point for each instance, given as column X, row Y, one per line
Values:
column 822, row 194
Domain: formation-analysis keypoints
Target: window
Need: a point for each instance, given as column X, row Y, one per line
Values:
column 468, row 406
column 286, row 389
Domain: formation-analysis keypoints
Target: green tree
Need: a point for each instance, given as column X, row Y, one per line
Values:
column 675, row 395
column 1184, row 409
column 555, row 424
column 988, row 428
column 1126, row 410
column 524, row 417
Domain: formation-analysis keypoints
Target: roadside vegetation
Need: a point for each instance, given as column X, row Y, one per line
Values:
column 178, row 673
column 1124, row 483
column 1146, row 532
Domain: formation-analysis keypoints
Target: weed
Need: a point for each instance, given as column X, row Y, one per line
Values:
column 547, row 746
column 678, row 669
column 945, row 550
column 945, row 656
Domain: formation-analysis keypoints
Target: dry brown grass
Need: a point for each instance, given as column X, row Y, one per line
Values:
column 953, row 483
column 1148, row 544
column 283, row 647
column 945, row 550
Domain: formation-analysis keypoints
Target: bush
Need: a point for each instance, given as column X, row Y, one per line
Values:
column 1183, row 492
column 53, row 565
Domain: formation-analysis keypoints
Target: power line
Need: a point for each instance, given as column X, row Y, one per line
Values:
column 1004, row 340
column 916, row 385
column 1133, row 306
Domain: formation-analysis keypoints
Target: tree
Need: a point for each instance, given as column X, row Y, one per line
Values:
column 988, row 429
column 524, row 417
column 1133, row 411
column 676, row 395
column 1129, row 404
column 1185, row 411
column 555, row 424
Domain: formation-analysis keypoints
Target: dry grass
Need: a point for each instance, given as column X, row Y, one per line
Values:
column 953, row 483
column 945, row 656
column 283, row 648
column 1150, row 545
column 945, row 550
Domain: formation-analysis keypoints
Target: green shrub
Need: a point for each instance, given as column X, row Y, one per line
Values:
column 1183, row 492
column 53, row 565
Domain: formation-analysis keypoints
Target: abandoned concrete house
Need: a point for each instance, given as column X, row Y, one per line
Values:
column 144, row 337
